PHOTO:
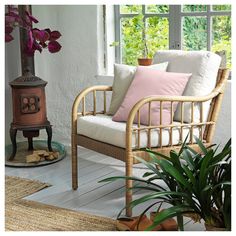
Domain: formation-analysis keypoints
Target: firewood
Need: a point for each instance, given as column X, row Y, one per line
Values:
column 49, row 158
column 33, row 158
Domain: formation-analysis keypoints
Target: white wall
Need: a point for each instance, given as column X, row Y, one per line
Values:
column 75, row 67
column 12, row 71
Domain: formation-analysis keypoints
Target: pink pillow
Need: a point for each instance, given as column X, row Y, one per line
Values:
column 149, row 82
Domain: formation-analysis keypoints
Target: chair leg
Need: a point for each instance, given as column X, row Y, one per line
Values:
column 129, row 183
column 74, row 159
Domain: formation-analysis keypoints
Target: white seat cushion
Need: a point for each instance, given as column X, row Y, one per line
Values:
column 203, row 65
column 102, row 128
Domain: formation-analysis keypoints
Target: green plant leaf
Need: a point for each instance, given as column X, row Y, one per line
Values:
column 221, row 184
column 186, row 155
column 154, row 169
column 147, row 164
column 158, row 195
column 183, row 146
column 175, row 159
column 190, row 175
column 156, row 153
column 201, row 145
column 204, row 168
column 167, row 167
column 147, row 188
column 114, row 178
column 148, row 174
column 192, row 150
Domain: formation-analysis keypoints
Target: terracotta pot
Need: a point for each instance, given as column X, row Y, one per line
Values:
column 213, row 228
column 144, row 61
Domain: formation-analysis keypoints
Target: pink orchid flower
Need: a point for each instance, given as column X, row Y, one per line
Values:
column 37, row 39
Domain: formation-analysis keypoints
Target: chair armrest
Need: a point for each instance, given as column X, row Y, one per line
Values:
column 166, row 98
column 81, row 98
column 135, row 111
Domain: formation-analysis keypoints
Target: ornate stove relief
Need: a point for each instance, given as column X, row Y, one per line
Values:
column 29, row 104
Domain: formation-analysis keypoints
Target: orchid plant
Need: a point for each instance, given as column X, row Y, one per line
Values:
column 38, row 39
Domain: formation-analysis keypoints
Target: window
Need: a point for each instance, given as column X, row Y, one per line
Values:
column 136, row 23
column 187, row 27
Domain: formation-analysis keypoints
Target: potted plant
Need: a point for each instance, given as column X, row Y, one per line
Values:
column 145, row 60
column 145, row 57
column 197, row 185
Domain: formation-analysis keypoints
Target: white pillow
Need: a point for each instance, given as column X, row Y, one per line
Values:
column 204, row 67
column 123, row 76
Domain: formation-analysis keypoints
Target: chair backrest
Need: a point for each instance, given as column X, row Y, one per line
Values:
column 203, row 65
column 222, row 77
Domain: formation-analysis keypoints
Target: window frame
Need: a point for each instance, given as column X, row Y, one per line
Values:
column 175, row 17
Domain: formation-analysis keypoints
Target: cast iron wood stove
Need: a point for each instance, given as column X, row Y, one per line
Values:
column 29, row 110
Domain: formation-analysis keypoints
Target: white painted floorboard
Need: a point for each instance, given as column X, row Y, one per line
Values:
column 104, row 199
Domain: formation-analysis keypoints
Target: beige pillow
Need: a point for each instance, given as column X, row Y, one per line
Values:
column 203, row 66
column 123, row 76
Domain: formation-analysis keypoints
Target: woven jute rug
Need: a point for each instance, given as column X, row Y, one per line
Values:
column 24, row 215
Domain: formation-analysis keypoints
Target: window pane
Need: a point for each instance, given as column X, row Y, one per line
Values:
column 221, row 7
column 194, row 8
column 194, row 33
column 129, row 9
column 157, row 34
column 131, row 42
column 221, row 27
column 157, row 9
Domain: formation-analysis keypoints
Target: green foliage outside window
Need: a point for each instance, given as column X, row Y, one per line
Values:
column 221, row 26
column 132, row 39
column 130, row 9
column 157, row 9
column 221, row 7
column 155, row 29
column 194, row 8
column 157, row 26
column 194, row 33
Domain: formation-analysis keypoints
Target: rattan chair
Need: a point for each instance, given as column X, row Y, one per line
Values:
column 206, row 128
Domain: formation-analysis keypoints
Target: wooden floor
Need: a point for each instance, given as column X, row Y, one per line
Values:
column 105, row 199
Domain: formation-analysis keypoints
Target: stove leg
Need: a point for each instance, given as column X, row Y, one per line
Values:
column 30, row 144
column 13, row 140
column 49, row 133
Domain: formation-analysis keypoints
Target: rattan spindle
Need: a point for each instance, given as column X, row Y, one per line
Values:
column 182, row 121
column 149, row 124
column 138, row 113
column 94, row 103
column 171, row 118
column 192, row 121
column 105, row 101
column 161, row 109
column 83, row 108
column 201, row 120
